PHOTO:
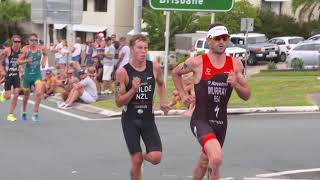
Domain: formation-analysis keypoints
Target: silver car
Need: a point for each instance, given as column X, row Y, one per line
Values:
column 308, row 52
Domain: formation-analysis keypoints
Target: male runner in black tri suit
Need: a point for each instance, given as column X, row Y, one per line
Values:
column 215, row 75
column 135, row 88
column 12, row 74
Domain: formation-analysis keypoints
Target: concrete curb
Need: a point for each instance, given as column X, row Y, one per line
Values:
column 110, row 113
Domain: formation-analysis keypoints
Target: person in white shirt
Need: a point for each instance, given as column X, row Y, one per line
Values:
column 107, row 67
column 76, row 52
column 86, row 90
column 124, row 53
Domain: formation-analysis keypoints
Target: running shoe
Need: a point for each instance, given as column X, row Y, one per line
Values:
column 24, row 116
column 35, row 117
column 66, row 106
column 11, row 117
column 60, row 104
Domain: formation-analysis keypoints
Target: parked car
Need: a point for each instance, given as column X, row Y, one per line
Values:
column 308, row 52
column 231, row 50
column 313, row 38
column 258, row 46
column 285, row 44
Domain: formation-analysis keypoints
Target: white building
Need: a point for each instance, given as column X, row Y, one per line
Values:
column 107, row 16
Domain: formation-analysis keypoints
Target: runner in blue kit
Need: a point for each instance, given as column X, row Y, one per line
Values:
column 135, row 83
column 215, row 76
column 33, row 56
column 12, row 78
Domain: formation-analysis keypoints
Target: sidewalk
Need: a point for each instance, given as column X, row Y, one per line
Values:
column 109, row 113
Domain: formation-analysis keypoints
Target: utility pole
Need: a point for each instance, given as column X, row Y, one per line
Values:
column 137, row 16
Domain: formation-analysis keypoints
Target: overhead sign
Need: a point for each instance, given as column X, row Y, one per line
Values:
column 192, row 5
column 56, row 11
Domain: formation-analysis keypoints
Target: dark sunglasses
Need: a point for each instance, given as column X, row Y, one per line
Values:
column 17, row 41
column 218, row 38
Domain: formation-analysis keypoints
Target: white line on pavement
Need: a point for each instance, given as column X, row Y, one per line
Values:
column 255, row 178
column 288, row 172
column 280, row 113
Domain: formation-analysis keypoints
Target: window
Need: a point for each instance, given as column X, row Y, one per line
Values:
column 295, row 41
column 82, row 35
column 280, row 42
column 85, row 5
column 101, row 5
column 199, row 44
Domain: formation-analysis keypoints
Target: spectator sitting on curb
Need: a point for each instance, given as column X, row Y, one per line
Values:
column 50, row 83
column 67, row 84
column 86, row 90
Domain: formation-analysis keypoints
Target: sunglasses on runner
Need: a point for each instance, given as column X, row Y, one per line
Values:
column 17, row 41
column 33, row 40
column 224, row 37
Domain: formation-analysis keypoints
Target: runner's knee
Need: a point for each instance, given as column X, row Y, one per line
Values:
column 137, row 160
column 215, row 161
column 154, row 157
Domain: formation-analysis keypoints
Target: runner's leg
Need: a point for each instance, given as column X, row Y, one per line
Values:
column 38, row 95
column 136, row 162
column 201, row 167
column 214, row 153
column 14, row 100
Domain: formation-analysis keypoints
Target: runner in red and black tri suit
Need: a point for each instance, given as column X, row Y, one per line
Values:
column 215, row 75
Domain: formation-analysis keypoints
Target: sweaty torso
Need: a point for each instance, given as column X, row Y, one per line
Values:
column 142, row 102
column 213, row 92
column 33, row 68
column 13, row 67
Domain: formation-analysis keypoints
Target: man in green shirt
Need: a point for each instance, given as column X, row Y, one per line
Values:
column 33, row 56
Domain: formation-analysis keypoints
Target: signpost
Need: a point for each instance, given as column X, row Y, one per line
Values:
column 247, row 24
column 186, row 5
column 192, row 5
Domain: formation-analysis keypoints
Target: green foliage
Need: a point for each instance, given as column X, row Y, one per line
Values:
column 271, row 65
column 182, row 58
column 180, row 22
column 297, row 63
column 200, row 53
column 278, row 25
column 12, row 13
column 203, row 23
column 240, row 10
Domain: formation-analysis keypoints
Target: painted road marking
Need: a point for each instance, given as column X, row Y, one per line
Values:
column 288, row 172
column 279, row 113
column 255, row 178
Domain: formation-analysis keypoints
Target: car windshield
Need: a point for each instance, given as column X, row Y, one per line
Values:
column 295, row 40
column 255, row 40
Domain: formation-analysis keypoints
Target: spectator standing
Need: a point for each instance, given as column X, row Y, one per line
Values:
column 124, row 53
column 76, row 52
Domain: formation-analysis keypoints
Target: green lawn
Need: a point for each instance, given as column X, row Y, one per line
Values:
column 267, row 89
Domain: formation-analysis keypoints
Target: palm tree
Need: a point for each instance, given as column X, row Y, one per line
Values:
column 308, row 8
column 180, row 22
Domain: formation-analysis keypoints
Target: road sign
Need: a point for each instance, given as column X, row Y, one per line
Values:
column 56, row 11
column 247, row 24
column 192, row 5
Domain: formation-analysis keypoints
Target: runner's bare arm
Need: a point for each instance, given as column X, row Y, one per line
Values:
column 161, row 87
column 44, row 58
column 23, row 56
column 178, row 71
column 3, row 54
column 242, row 86
column 122, row 97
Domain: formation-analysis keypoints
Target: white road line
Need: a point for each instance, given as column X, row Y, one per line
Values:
column 288, row 172
column 279, row 113
column 255, row 178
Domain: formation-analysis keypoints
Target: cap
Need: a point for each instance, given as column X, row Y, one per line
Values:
column 100, row 34
column 48, row 71
column 217, row 31
column 82, row 71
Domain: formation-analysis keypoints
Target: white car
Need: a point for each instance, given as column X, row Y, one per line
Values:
column 231, row 50
column 308, row 52
column 313, row 38
column 285, row 44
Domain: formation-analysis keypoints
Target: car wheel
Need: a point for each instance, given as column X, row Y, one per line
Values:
column 283, row 57
column 252, row 59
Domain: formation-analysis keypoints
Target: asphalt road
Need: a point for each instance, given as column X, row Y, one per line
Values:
column 82, row 146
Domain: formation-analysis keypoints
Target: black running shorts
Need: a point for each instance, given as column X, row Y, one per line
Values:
column 145, row 127
column 11, row 82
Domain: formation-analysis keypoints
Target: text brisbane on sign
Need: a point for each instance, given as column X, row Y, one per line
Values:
column 197, row 2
